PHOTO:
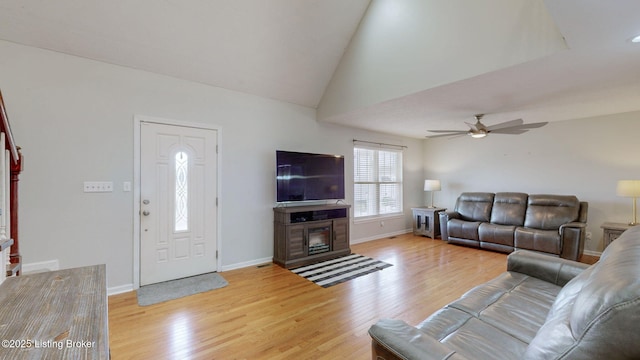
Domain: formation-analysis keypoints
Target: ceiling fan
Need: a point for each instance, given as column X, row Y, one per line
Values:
column 480, row 130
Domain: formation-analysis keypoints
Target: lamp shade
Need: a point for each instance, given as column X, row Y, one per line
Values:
column 432, row 185
column 626, row 188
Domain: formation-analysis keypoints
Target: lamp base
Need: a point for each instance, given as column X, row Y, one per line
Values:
column 431, row 206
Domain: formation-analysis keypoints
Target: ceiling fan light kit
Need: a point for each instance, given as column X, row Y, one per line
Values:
column 480, row 130
column 478, row 135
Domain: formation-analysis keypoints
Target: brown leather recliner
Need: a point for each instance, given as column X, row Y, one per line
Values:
column 551, row 224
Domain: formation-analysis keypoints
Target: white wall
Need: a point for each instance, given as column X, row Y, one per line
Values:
column 583, row 157
column 73, row 118
column 404, row 47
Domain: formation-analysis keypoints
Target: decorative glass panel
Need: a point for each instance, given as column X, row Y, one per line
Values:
column 182, row 194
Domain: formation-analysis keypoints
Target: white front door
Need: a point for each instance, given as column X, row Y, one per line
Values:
column 178, row 194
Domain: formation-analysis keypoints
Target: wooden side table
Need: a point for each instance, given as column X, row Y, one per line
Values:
column 426, row 221
column 612, row 231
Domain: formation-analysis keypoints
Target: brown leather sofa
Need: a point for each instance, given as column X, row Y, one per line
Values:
column 542, row 307
column 508, row 221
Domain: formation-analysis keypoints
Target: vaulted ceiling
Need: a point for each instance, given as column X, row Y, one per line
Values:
column 395, row 66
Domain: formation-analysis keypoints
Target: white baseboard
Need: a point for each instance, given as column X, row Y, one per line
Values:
column 592, row 253
column 119, row 289
column 247, row 264
column 42, row 266
column 381, row 236
column 53, row 265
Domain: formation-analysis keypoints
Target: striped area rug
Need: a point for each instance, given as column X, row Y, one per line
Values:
column 336, row 271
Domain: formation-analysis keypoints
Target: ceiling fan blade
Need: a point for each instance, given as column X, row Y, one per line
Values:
column 474, row 127
column 533, row 125
column 452, row 133
column 447, row 131
column 453, row 136
column 510, row 131
column 512, row 127
column 519, row 127
column 505, row 124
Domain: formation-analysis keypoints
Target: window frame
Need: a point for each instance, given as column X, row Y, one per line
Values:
column 378, row 182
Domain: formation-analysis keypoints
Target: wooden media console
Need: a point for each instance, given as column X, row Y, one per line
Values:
column 307, row 234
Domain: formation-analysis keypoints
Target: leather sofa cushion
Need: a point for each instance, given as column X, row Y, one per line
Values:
column 596, row 315
column 547, row 241
column 510, row 308
column 509, row 208
column 496, row 234
column 463, row 229
column 475, row 206
column 464, row 341
column 548, row 212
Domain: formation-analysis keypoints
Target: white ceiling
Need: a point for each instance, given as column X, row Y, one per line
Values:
column 289, row 50
column 279, row 49
column 599, row 74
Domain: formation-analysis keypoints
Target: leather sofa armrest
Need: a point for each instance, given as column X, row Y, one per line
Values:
column 395, row 339
column 572, row 238
column 544, row 267
column 445, row 216
column 577, row 225
column 449, row 215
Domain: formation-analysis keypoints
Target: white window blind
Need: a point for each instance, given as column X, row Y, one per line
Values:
column 377, row 181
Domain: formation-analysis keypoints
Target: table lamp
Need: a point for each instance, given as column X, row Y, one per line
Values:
column 431, row 186
column 630, row 188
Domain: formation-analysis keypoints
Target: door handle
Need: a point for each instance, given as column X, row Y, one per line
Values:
column 145, row 213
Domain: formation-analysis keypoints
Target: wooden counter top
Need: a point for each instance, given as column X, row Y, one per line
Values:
column 55, row 315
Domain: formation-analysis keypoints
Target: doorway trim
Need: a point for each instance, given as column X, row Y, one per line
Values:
column 137, row 123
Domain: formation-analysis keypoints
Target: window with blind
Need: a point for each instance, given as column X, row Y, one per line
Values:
column 377, row 182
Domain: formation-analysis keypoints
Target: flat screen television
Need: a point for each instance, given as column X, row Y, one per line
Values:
column 306, row 177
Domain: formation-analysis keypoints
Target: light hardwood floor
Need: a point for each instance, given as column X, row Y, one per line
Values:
column 269, row 313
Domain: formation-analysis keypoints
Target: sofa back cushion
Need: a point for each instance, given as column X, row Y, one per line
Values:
column 509, row 208
column 475, row 206
column 596, row 315
column 548, row 212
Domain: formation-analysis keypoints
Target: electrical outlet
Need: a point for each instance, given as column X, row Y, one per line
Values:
column 98, row 186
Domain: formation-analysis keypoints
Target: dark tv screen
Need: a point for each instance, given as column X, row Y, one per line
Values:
column 306, row 176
